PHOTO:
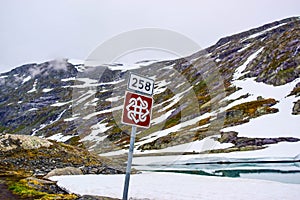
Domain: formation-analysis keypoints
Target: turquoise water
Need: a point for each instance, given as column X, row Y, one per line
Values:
column 272, row 175
column 286, row 172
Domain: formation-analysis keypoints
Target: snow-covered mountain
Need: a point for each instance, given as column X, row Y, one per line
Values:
column 241, row 94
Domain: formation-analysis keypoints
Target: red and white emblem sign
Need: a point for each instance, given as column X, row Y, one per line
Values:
column 137, row 110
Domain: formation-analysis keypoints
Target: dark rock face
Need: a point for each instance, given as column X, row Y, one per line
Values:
column 296, row 108
column 232, row 137
column 101, row 170
column 92, row 169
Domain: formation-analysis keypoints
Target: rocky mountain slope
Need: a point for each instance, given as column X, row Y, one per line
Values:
column 209, row 96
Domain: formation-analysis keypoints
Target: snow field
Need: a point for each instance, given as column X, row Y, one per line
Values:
column 166, row 186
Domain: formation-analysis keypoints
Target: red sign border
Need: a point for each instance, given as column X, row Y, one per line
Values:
column 124, row 108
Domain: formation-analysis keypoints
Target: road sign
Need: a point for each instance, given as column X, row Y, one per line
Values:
column 141, row 84
column 137, row 110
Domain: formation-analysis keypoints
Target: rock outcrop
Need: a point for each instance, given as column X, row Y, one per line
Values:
column 40, row 156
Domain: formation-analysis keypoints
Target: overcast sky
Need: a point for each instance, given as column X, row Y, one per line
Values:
column 40, row 30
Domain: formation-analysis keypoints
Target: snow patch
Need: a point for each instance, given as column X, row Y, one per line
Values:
column 162, row 118
column 59, row 104
column 262, row 32
column 76, row 61
column 175, row 99
column 208, row 143
column 161, row 87
column 26, row 79
column 87, row 82
column 33, row 87
column 47, row 90
column 32, row 109
column 239, row 71
column 85, row 96
column 80, row 68
column 68, row 79
column 124, row 67
column 70, row 119
column 96, row 130
column 60, row 137
column 279, row 124
column 244, row 48
column 102, row 112
column 113, row 99
column 34, row 131
column 114, row 153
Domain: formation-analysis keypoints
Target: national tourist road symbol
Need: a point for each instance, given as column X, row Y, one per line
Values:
column 137, row 110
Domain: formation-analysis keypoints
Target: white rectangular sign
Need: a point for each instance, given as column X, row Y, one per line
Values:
column 141, row 84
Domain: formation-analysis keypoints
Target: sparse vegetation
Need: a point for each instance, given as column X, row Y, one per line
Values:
column 23, row 189
column 244, row 112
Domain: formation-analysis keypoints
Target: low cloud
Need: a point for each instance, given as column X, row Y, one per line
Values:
column 34, row 71
column 58, row 64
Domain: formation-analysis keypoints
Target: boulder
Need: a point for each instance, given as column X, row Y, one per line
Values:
column 64, row 171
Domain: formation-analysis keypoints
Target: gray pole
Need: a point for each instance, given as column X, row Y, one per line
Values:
column 128, row 168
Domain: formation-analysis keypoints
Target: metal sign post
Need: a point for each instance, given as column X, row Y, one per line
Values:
column 129, row 162
column 136, row 112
